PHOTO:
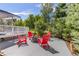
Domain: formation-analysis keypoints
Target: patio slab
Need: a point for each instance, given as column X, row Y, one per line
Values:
column 34, row 49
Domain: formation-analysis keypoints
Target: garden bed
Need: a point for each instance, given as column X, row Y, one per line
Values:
column 71, row 47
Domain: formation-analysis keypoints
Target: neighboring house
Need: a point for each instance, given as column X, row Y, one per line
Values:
column 7, row 18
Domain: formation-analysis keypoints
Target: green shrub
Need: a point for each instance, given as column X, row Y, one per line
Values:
column 40, row 27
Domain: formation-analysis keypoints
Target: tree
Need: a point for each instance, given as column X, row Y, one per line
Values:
column 68, row 24
column 59, row 19
column 40, row 26
column 60, row 11
column 47, row 10
column 37, row 17
column 19, row 23
column 72, row 22
column 30, row 21
column 72, row 19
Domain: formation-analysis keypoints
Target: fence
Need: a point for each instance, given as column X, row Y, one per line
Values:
column 13, row 30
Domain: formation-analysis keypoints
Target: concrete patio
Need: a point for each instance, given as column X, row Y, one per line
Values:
column 33, row 49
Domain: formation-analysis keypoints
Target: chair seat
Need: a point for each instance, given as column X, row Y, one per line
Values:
column 44, row 40
column 21, row 39
column 30, row 35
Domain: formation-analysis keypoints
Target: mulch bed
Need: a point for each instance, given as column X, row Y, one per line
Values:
column 70, row 47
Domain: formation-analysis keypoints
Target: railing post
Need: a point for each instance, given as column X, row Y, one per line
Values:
column 12, row 29
column 2, row 28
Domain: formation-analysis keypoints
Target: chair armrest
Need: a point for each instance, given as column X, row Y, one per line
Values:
column 39, row 40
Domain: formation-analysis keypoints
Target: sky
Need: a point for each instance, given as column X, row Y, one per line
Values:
column 21, row 9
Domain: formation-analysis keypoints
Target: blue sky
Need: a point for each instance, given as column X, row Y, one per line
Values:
column 21, row 9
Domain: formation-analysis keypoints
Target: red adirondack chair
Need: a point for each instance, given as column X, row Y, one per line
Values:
column 30, row 35
column 21, row 39
column 43, row 41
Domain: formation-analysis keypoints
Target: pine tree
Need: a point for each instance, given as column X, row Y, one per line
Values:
column 72, row 22
column 59, row 19
column 47, row 11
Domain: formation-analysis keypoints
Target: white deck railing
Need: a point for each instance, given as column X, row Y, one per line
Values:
column 13, row 29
